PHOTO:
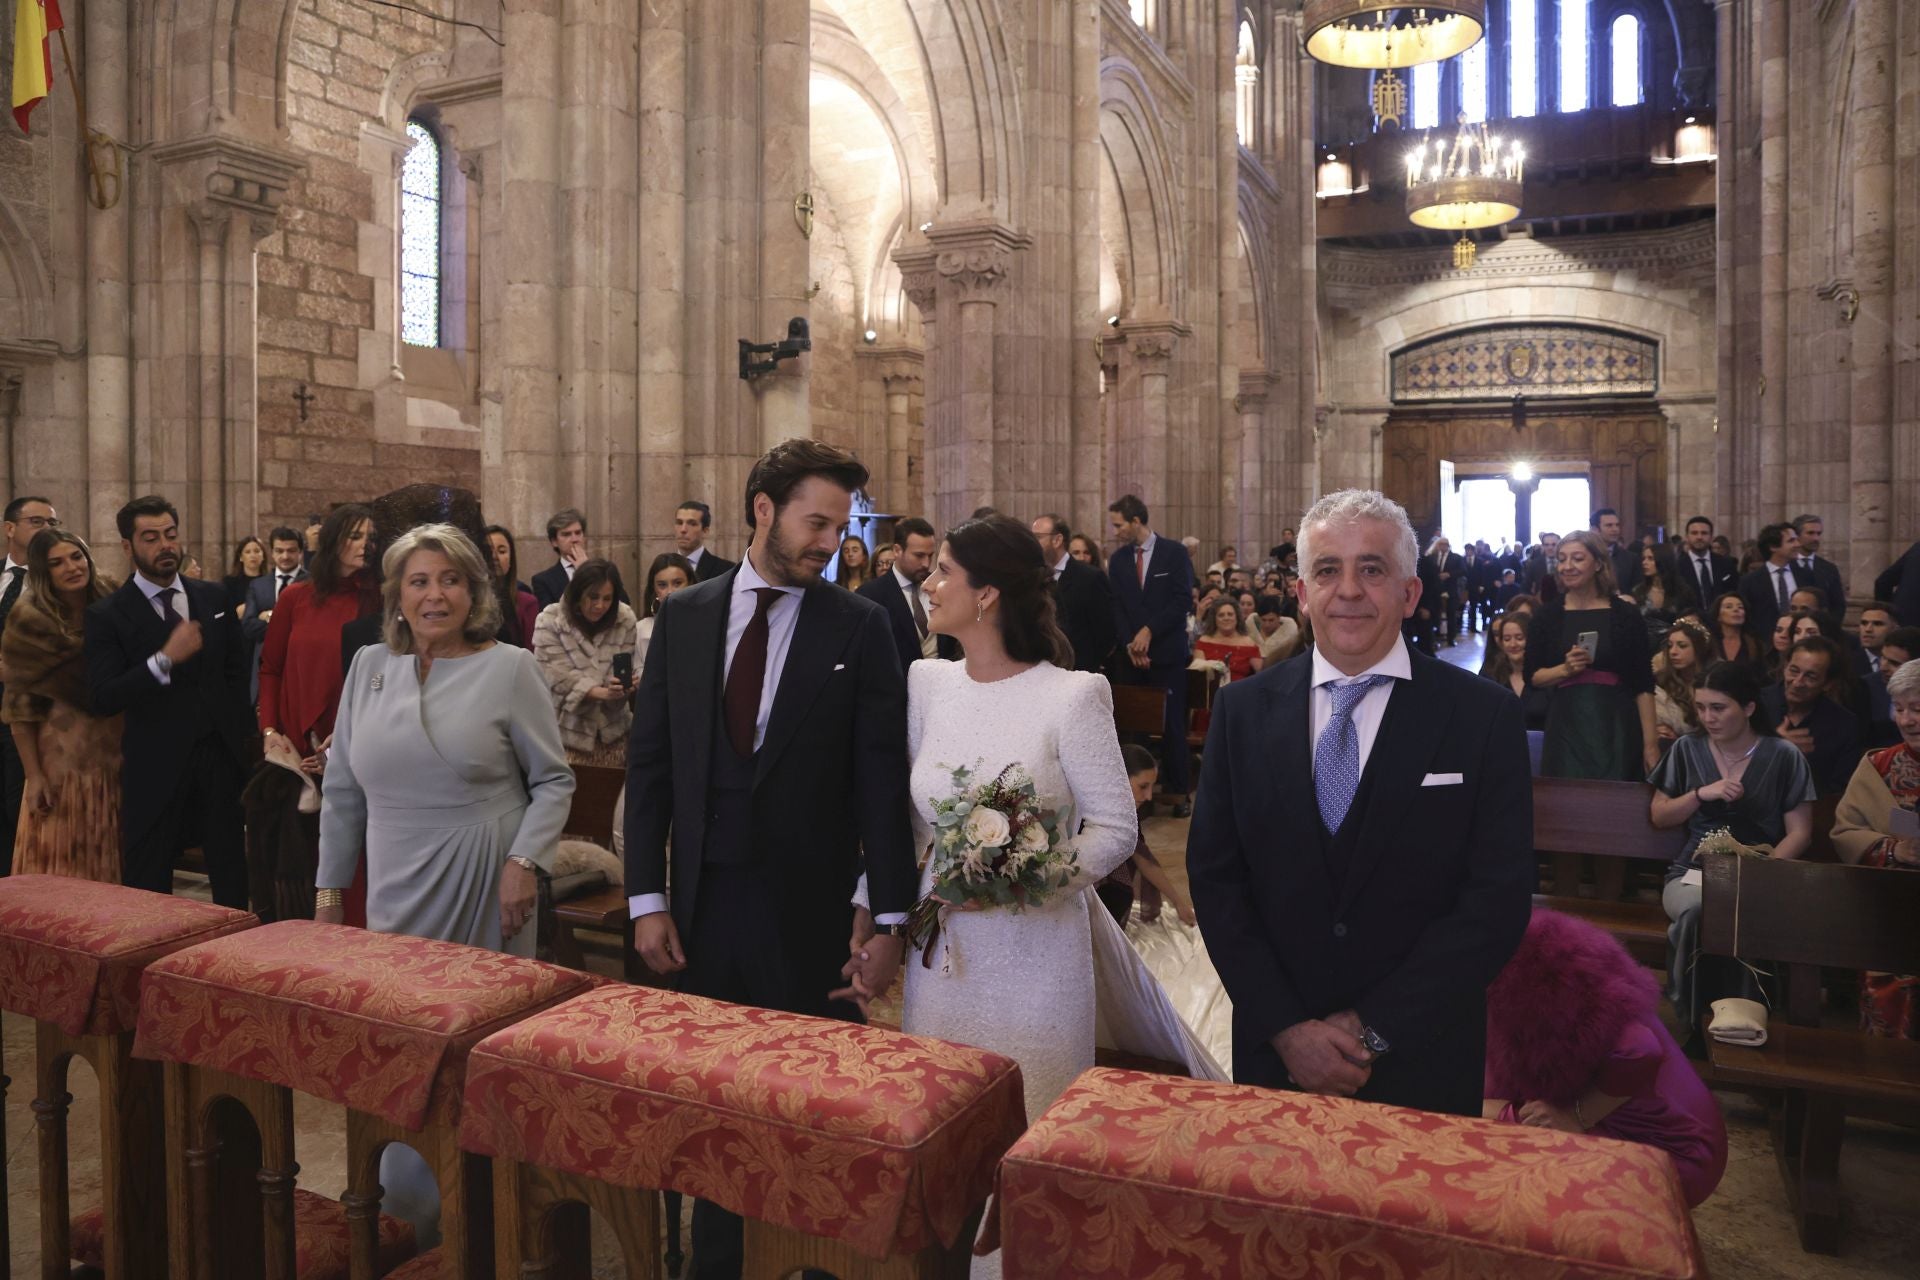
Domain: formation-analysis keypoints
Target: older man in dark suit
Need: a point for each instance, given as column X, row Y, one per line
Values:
column 1082, row 595
column 1152, row 580
column 1361, row 854
column 166, row 652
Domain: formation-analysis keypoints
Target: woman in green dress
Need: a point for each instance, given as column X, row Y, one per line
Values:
column 1590, row 647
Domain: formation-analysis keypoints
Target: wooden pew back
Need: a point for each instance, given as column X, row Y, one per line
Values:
column 596, row 789
column 1607, row 819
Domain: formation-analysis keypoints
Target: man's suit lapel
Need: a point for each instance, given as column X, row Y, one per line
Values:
column 819, row 634
column 147, row 626
column 705, row 619
column 1284, row 731
column 1402, row 750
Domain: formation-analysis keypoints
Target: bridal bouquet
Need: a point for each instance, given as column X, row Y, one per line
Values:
column 993, row 844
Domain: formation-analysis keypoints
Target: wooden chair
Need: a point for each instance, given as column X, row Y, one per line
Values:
column 1796, row 917
column 378, row 1023
column 1139, row 709
column 868, row 1174
column 1579, row 822
column 72, row 953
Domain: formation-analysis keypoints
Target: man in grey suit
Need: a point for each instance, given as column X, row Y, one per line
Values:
column 286, row 553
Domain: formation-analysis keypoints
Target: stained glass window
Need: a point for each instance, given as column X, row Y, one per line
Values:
column 1575, row 44
column 1627, row 90
column 1523, row 58
column 1473, row 82
column 1426, row 95
column 420, row 239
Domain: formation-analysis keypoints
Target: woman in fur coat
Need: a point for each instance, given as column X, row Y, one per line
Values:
column 1575, row 1042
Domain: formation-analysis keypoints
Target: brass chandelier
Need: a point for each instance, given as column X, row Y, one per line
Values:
column 1377, row 35
column 1475, row 183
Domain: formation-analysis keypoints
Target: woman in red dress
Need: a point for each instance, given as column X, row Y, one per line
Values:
column 300, row 666
column 1221, row 639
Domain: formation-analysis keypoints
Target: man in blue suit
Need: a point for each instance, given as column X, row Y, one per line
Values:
column 1362, row 852
column 1152, row 595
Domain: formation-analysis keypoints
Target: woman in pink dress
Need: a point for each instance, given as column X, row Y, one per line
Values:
column 1575, row 1042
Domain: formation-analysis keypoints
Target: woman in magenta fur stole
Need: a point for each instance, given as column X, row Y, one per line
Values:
column 1575, row 1042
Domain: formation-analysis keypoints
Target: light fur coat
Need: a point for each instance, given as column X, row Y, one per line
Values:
column 574, row 662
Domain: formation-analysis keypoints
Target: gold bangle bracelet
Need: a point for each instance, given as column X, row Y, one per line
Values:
column 324, row 898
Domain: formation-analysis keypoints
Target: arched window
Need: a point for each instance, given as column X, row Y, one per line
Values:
column 1426, row 96
column 1246, row 80
column 1523, row 58
column 1627, row 89
column 420, row 238
column 1576, row 39
column 1473, row 83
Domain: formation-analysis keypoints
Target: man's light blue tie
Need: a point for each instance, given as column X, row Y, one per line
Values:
column 1336, row 756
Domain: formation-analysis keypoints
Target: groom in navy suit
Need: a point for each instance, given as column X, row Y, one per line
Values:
column 1152, row 581
column 1361, row 853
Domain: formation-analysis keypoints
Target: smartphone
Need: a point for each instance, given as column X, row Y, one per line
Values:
column 1905, row 824
column 1590, row 641
column 623, row 668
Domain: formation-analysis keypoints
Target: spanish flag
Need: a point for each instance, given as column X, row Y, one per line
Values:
column 32, row 59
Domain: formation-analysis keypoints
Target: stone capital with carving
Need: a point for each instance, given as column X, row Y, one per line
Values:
column 1252, row 396
column 975, row 257
column 228, row 182
column 1150, row 344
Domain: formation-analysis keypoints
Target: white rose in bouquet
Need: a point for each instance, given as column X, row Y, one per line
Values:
column 987, row 828
column 1033, row 840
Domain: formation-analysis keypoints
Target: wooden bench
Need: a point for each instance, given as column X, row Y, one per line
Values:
column 1577, row 821
column 1795, row 917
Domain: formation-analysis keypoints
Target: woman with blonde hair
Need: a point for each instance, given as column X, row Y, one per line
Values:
column 70, row 814
column 1590, row 647
column 1685, row 658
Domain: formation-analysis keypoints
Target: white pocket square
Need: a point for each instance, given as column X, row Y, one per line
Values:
column 1443, row 779
column 839, row 666
column 219, row 615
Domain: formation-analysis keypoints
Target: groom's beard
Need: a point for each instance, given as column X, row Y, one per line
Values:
column 790, row 568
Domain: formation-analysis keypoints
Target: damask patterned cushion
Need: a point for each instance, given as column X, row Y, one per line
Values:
column 1132, row 1175
column 72, row 951
column 884, row 1141
column 377, row 1022
column 320, row 1241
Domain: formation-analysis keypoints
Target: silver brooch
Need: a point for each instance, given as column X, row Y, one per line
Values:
column 378, row 680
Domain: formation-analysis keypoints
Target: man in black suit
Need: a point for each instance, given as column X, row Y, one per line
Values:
column 898, row 592
column 1152, row 580
column 1361, row 854
column 26, row 516
column 1899, row 585
column 768, row 758
column 1826, row 733
column 1540, row 574
column 1624, row 556
column 1082, row 595
column 1768, row 589
column 166, row 652
column 1711, row 574
column 286, row 566
column 692, row 520
column 567, row 535
column 1449, row 581
column 1816, row 571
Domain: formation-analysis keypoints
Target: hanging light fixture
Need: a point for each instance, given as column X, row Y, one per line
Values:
column 1375, row 34
column 1475, row 183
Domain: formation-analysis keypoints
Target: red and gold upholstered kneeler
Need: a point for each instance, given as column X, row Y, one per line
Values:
column 379, row 1023
column 1131, row 1175
column 862, row 1152
column 71, row 955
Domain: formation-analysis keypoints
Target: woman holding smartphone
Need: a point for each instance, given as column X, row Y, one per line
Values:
column 1590, row 647
column 576, row 640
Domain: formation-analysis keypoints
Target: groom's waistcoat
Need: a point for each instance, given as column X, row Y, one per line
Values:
column 729, row 838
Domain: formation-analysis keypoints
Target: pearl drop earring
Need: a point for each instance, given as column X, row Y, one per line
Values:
column 980, row 614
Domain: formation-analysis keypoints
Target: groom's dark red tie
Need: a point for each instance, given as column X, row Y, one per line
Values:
column 748, row 675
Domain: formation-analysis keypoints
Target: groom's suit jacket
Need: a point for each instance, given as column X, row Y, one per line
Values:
column 1405, row 918
column 829, row 779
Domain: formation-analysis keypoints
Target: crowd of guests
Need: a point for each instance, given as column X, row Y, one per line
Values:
column 1731, row 685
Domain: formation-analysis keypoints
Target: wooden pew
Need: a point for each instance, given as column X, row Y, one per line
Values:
column 1794, row 917
column 1577, row 820
column 595, row 793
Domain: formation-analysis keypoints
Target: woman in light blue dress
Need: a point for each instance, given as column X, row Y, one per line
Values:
column 447, row 767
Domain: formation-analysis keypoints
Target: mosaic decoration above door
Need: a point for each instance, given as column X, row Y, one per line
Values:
column 1533, row 360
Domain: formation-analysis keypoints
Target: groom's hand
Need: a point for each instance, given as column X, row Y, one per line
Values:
column 658, row 943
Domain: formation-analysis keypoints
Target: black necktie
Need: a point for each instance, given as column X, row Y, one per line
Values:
column 1780, row 589
column 747, row 677
column 282, row 587
column 165, row 596
column 1705, row 566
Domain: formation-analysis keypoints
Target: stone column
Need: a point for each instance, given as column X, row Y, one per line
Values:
column 1141, row 462
column 898, row 370
column 1731, row 370
column 661, row 140
column 1870, row 457
column 785, row 158
column 1088, row 499
column 109, row 296
column 530, row 444
column 219, row 198
column 1774, row 109
column 961, row 273
column 1254, row 469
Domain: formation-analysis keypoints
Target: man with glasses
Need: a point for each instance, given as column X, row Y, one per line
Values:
column 25, row 517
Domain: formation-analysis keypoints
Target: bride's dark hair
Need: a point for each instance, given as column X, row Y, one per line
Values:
column 1000, row 552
